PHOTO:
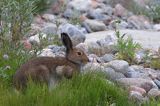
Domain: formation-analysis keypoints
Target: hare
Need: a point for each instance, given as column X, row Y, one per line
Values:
column 44, row 69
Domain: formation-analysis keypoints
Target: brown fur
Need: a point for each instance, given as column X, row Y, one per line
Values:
column 42, row 69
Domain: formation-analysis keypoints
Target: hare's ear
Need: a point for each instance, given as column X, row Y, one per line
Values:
column 66, row 41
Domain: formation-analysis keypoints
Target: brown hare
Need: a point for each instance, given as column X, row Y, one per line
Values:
column 44, row 69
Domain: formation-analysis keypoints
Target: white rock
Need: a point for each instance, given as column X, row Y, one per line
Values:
column 157, row 27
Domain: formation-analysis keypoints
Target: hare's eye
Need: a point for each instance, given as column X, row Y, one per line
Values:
column 79, row 53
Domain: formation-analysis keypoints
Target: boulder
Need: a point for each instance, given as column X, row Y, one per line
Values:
column 76, row 34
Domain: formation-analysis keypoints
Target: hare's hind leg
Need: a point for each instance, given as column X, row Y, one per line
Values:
column 41, row 74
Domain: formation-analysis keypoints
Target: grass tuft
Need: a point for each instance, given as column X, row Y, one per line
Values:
column 90, row 89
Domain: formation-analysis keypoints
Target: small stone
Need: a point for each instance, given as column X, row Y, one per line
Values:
column 137, row 98
column 119, row 66
column 76, row 35
column 5, row 56
column 112, row 75
column 48, row 18
column 94, row 48
column 96, row 14
column 94, row 58
column 120, row 11
column 123, row 25
column 108, row 10
column 108, row 57
column 56, row 48
column 93, row 67
column 138, row 89
column 46, row 52
column 80, row 5
column 49, row 28
column 34, row 39
column 157, row 27
column 94, row 25
column 154, row 93
column 139, row 22
column 147, row 86
column 139, row 82
column 131, row 73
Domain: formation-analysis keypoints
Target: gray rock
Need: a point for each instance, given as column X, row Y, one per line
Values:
column 80, row 5
column 96, row 14
column 107, row 44
column 68, row 13
column 156, row 27
column 49, row 18
column 147, row 86
column 93, row 67
column 46, row 52
column 146, row 73
column 137, row 98
column 108, row 10
column 76, row 35
column 120, row 11
column 111, row 74
column 53, row 51
column 107, row 20
column 143, row 83
column 108, row 40
column 139, row 22
column 34, row 39
column 123, row 25
column 94, row 48
column 138, row 89
column 49, row 28
column 108, row 57
column 94, row 58
column 56, row 48
column 154, row 93
column 94, row 25
column 140, row 55
column 131, row 73
column 119, row 66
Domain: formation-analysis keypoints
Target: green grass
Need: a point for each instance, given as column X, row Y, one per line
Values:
column 90, row 89
column 16, row 56
column 126, row 47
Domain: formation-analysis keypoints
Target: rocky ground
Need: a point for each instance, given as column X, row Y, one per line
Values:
column 91, row 24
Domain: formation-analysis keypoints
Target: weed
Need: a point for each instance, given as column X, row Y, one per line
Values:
column 126, row 47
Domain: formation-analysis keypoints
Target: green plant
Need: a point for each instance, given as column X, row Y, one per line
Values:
column 154, row 11
column 16, row 18
column 126, row 47
column 91, row 89
column 42, row 5
column 11, row 57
